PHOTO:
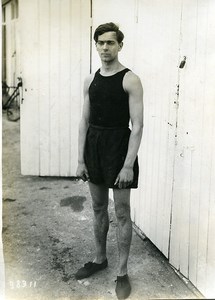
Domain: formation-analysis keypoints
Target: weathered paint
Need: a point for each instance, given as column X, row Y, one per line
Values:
column 193, row 225
column 55, row 52
column 156, row 59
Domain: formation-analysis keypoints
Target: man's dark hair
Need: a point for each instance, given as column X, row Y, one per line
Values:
column 106, row 28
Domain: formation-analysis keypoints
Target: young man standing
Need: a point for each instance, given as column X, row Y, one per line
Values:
column 113, row 96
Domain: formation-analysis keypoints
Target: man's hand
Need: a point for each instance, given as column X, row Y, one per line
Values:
column 82, row 172
column 125, row 177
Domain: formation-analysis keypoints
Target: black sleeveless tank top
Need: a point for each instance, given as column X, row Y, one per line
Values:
column 109, row 106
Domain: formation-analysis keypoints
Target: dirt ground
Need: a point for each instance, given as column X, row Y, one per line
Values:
column 47, row 236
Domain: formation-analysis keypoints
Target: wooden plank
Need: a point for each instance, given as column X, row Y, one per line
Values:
column 179, row 248
column 76, row 61
column 196, row 133
column 210, row 63
column 210, row 271
column 85, row 51
column 9, row 40
column 189, row 23
column 13, row 52
column 157, row 150
column 18, row 47
column 55, row 91
column 53, row 70
column 29, row 122
column 207, row 155
column 64, row 83
column 183, row 165
column 192, row 192
column 150, row 108
column 79, row 69
column 44, row 86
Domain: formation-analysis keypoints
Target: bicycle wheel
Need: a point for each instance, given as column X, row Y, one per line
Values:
column 13, row 111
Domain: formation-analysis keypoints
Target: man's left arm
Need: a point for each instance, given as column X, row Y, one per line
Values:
column 133, row 86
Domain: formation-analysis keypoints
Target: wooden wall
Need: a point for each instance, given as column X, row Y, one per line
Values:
column 55, row 40
column 192, row 249
column 175, row 203
column 156, row 62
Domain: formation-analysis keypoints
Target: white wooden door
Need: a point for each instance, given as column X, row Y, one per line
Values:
column 192, row 247
column 156, row 47
column 175, row 204
column 55, row 58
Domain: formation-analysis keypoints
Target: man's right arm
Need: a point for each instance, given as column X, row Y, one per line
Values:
column 83, row 127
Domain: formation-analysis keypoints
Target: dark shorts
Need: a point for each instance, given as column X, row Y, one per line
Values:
column 105, row 153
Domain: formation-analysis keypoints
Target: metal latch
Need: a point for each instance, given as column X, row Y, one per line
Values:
column 183, row 62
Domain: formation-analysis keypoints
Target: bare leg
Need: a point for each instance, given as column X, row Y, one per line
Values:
column 124, row 228
column 99, row 194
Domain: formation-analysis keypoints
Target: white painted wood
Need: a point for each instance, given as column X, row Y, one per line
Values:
column 29, row 122
column 65, row 91
column 10, row 46
column 43, row 85
column 17, row 49
column 59, row 34
column 156, row 58
column 108, row 11
column 55, row 90
column 192, row 223
column 210, row 271
column 209, row 113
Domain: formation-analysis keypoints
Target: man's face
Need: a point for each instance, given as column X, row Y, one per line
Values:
column 108, row 46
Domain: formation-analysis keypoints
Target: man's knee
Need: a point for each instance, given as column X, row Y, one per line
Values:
column 100, row 208
column 99, row 194
column 123, row 213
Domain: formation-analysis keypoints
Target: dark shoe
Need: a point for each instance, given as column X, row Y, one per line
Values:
column 89, row 269
column 123, row 287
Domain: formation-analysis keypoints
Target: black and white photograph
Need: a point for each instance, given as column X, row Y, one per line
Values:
column 108, row 149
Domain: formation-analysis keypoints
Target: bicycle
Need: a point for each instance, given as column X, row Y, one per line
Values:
column 11, row 103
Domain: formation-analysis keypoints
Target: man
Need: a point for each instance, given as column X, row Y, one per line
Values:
column 108, row 149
